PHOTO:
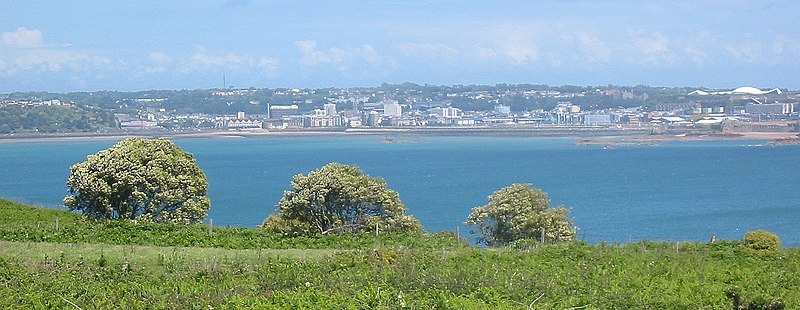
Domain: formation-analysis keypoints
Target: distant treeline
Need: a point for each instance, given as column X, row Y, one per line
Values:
column 255, row 100
column 51, row 119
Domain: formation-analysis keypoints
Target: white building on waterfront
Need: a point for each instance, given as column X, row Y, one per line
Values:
column 392, row 109
column 597, row 119
column 330, row 108
column 502, row 109
column 448, row 112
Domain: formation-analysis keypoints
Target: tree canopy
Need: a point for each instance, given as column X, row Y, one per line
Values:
column 519, row 212
column 139, row 179
column 18, row 118
column 339, row 198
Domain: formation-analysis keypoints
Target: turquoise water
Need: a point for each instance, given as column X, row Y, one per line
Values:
column 675, row 191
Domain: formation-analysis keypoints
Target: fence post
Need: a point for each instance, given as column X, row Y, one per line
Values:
column 210, row 226
column 458, row 236
column 542, row 235
column 376, row 230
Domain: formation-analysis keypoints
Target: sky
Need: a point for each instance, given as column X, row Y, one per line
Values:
column 63, row 46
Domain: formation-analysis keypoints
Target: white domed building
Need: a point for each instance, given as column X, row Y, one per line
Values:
column 745, row 90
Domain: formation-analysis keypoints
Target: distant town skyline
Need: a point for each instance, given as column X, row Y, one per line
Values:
column 93, row 45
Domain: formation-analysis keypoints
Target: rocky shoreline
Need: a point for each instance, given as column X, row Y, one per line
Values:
column 786, row 141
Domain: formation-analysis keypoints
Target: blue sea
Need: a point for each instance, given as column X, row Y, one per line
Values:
column 674, row 191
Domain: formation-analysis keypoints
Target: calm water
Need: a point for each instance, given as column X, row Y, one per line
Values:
column 676, row 191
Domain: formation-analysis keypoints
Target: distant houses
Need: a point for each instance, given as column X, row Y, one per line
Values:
column 473, row 106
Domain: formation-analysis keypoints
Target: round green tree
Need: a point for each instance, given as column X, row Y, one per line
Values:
column 142, row 179
column 520, row 212
column 339, row 198
column 762, row 241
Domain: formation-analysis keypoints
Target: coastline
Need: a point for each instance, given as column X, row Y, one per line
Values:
column 87, row 137
column 585, row 136
column 770, row 138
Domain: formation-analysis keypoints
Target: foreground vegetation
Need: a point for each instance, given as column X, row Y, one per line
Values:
column 150, row 180
column 126, row 265
column 24, row 223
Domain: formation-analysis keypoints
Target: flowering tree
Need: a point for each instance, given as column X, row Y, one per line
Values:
column 142, row 179
column 339, row 198
column 520, row 212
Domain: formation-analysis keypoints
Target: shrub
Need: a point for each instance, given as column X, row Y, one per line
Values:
column 517, row 212
column 139, row 179
column 339, row 198
column 762, row 241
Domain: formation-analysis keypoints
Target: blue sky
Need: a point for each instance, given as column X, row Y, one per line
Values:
column 137, row 45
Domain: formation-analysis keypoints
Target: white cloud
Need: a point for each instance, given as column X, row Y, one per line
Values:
column 516, row 43
column 48, row 61
column 159, row 58
column 339, row 57
column 649, row 49
column 158, row 63
column 787, row 49
column 312, row 56
column 750, row 52
column 24, row 51
column 369, row 54
column 584, row 44
column 654, row 43
column 429, row 50
column 696, row 55
column 203, row 60
column 763, row 51
column 520, row 52
column 268, row 63
column 22, row 38
column 700, row 48
column 593, row 48
column 155, row 69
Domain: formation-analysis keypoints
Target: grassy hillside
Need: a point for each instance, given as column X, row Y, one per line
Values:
column 25, row 223
column 47, row 270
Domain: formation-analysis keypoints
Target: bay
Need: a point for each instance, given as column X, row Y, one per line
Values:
column 674, row 191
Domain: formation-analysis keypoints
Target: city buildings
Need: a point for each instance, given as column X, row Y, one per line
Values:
column 434, row 106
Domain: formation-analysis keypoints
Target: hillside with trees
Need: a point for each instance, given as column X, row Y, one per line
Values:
column 54, row 119
column 520, row 97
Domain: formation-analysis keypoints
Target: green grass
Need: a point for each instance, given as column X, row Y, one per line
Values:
column 49, row 273
column 24, row 223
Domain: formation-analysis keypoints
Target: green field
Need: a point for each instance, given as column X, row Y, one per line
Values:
column 53, row 259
